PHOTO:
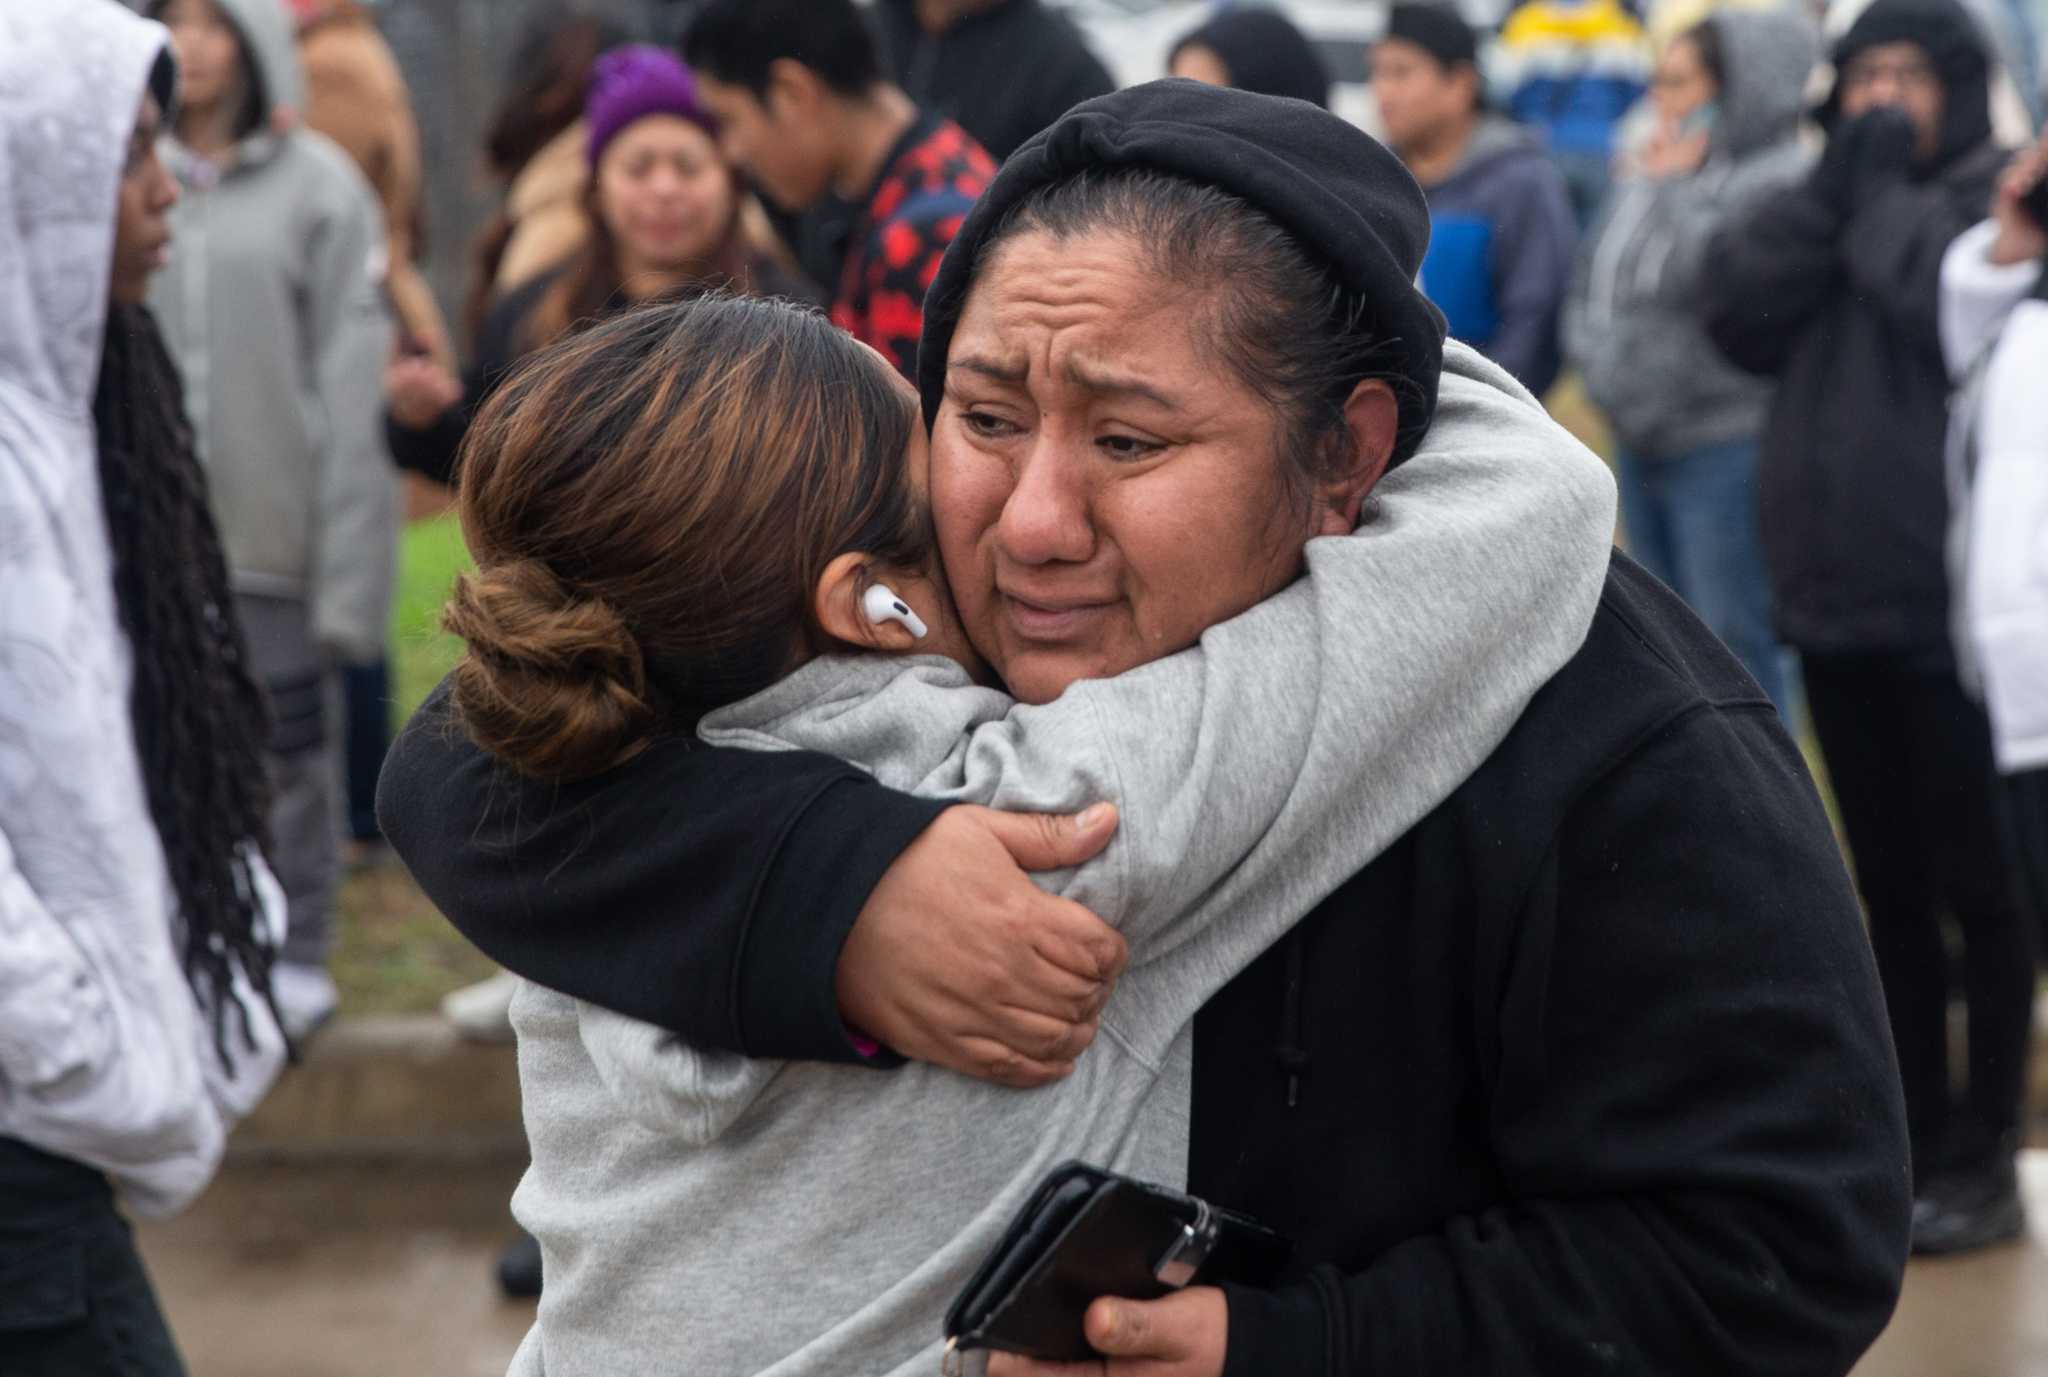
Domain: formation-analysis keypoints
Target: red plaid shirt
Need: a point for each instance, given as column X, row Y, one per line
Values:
column 933, row 177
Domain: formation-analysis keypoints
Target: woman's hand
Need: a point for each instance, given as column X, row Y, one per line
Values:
column 1185, row 1335
column 1670, row 153
column 419, row 391
column 2021, row 237
column 959, row 960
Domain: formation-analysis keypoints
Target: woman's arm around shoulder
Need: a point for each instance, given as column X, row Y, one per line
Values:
column 704, row 890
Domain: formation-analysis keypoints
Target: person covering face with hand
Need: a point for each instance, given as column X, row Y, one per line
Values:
column 1833, row 287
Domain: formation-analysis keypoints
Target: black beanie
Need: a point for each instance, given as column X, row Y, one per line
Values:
column 1264, row 52
column 1349, row 202
column 1436, row 29
column 1955, row 48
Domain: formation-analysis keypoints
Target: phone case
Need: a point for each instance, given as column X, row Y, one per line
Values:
column 1087, row 1233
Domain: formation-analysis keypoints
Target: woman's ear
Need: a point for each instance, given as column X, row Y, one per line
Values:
column 837, row 604
column 1372, row 415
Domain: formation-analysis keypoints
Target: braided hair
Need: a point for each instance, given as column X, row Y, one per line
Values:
column 199, row 717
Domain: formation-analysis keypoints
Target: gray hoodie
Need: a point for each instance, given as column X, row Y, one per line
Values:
column 708, row 1213
column 273, row 308
column 1634, row 323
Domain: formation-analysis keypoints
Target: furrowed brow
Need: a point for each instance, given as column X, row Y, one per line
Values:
column 1001, row 372
column 1110, row 385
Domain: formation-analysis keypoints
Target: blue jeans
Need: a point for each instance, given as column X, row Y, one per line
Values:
column 1691, row 520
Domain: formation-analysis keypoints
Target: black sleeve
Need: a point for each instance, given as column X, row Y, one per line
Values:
column 432, row 452
column 1895, row 245
column 1694, row 1109
column 1772, row 271
column 705, row 890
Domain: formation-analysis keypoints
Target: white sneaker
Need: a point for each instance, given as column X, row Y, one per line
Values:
column 306, row 998
column 483, row 1012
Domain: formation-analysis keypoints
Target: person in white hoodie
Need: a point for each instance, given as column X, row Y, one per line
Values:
column 274, row 309
column 137, row 920
column 1994, row 321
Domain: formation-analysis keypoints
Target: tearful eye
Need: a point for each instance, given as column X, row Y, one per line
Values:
column 1129, row 447
column 988, row 426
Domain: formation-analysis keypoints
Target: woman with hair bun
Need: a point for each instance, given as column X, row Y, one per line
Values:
column 684, row 521
column 666, row 216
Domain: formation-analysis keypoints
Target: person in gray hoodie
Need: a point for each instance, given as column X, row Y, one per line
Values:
column 1729, row 100
column 1502, row 234
column 671, row 1186
column 274, row 312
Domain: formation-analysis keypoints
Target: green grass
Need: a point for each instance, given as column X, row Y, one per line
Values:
column 395, row 952
column 430, row 555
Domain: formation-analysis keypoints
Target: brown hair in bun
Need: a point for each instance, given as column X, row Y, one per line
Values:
column 650, row 504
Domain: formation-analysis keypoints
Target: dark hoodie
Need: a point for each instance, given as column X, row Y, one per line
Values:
column 1264, row 52
column 1502, row 241
column 1002, row 74
column 1588, row 1072
column 1833, row 288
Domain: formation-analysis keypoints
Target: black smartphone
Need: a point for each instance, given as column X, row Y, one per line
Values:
column 1086, row 1233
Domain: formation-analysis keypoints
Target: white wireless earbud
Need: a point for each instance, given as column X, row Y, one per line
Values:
column 882, row 605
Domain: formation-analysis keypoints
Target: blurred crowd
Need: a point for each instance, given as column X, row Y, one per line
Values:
column 1793, row 256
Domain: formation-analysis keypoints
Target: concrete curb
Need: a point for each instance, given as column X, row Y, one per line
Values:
column 389, row 1087
column 406, row 1088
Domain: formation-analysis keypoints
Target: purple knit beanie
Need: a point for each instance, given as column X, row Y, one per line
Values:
column 629, row 83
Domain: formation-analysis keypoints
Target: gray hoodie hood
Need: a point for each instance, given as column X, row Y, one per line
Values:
column 1767, row 55
column 273, row 50
column 72, row 78
column 1634, row 321
column 270, row 41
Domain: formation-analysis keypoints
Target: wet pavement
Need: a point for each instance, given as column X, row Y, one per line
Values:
column 331, row 1271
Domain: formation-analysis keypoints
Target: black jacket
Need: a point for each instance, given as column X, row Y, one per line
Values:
column 1835, row 291
column 1002, row 74
column 1588, row 1073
